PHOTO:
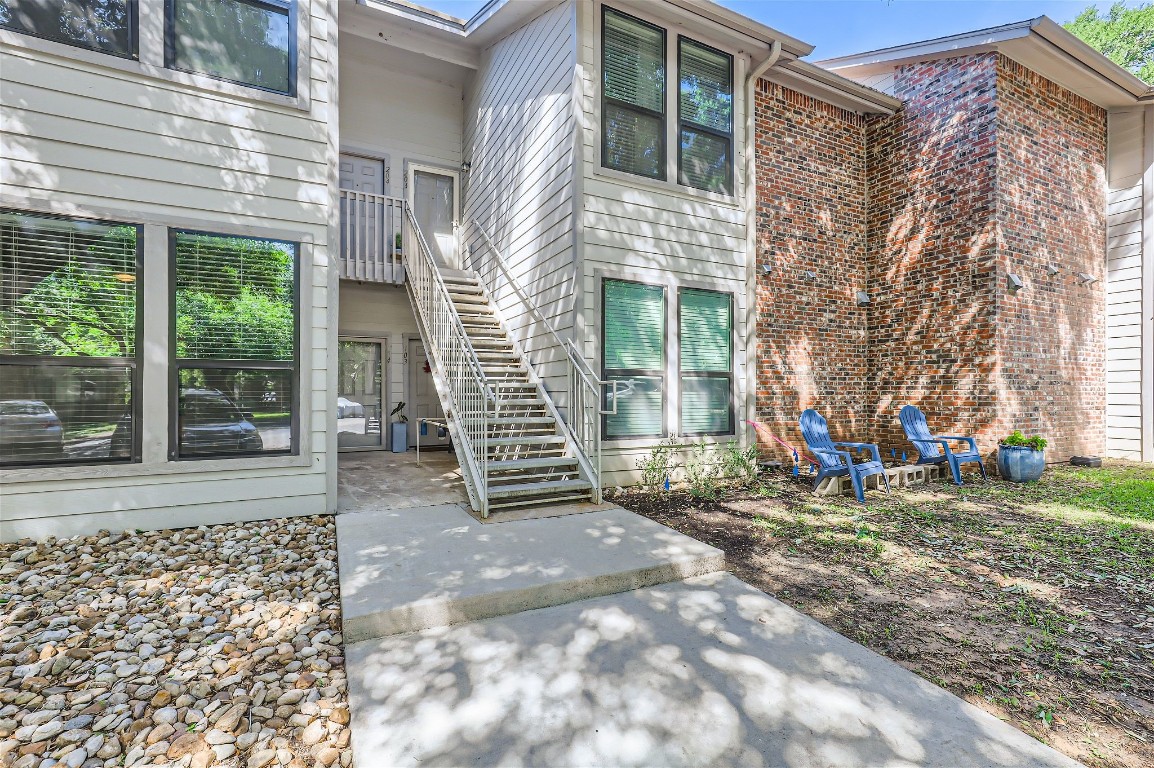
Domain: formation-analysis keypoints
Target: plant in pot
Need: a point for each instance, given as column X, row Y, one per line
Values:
column 1021, row 459
column 399, row 429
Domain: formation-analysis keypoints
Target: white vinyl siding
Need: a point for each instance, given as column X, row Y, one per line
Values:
column 660, row 233
column 131, row 143
column 1129, row 303
column 519, row 146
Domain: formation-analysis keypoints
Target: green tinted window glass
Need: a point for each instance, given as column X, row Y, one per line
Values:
column 706, row 319
column 245, row 41
column 634, row 326
column 705, row 405
column 102, row 25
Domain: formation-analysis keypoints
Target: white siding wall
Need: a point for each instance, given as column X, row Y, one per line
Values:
column 1130, row 296
column 388, row 108
column 85, row 133
column 657, row 233
column 519, row 137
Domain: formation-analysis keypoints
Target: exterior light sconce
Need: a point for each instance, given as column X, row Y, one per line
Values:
column 1085, row 278
column 1016, row 283
column 809, row 275
column 766, row 269
column 863, row 298
column 1052, row 270
column 466, row 166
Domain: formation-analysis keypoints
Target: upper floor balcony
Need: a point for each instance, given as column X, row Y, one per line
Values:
column 372, row 237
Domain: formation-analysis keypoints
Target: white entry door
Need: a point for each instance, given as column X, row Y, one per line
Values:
column 434, row 194
column 365, row 174
column 423, row 400
column 363, row 230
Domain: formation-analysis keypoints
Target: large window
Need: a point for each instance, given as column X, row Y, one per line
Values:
column 705, row 114
column 633, row 95
column 252, row 42
column 235, row 335
column 705, row 333
column 102, row 25
column 69, row 292
column 633, row 354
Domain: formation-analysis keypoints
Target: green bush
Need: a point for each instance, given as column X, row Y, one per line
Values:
column 739, row 464
column 702, row 473
column 657, row 465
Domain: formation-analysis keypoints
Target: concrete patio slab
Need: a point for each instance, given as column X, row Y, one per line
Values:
column 707, row 671
column 404, row 570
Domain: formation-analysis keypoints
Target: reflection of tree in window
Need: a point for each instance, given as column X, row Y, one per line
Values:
column 104, row 25
column 246, row 41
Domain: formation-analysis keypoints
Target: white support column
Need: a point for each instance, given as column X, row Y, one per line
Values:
column 154, row 359
column 1147, row 375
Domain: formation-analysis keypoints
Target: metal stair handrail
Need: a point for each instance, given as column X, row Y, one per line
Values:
column 473, row 396
column 583, row 422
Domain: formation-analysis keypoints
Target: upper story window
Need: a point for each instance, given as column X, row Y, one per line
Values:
column 633, row 95
column 252, row 42
column 705, row 114
column 635, row 56
column 102, row 25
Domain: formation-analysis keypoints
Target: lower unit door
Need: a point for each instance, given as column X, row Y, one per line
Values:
column 359, row 388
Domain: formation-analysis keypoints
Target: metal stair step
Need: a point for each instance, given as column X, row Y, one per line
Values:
column 527, row 441
column 520, row 490
column 538, row 463
column 503, row 420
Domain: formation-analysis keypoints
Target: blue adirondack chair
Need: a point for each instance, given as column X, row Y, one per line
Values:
column 838, row 463
column 918, row 433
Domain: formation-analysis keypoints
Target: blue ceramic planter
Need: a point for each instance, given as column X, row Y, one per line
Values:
column 1020, row 464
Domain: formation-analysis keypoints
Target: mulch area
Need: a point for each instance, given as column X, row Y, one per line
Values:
column 1034, row 602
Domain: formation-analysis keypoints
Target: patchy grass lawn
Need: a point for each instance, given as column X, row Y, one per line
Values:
column 1034, row 602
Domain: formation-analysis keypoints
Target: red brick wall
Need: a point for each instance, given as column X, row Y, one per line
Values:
column 1051, row 211
column 988, row 169
column 933, row 251
column 811, row 215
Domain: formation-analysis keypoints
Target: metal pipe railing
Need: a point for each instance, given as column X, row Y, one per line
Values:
column 584, row 387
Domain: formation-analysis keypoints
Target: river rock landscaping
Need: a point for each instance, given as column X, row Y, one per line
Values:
column 217, row 645
column 1032, row 601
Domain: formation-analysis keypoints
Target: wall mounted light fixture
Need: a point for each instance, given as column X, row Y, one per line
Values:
column 809, row 275
column 766, row 269
column 1084, row 278
column 1016, row 283
column 1052, row 270
column 863, row 298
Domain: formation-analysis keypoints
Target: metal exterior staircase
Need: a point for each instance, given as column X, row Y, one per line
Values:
column 514, row 447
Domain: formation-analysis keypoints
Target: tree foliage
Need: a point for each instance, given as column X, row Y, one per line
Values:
column 1124, row 34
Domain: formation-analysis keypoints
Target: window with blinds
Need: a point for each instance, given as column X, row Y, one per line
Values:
column 235, row 325
column 705, row 113
column 108, row 26
column 633, row 353
column 69, row 293
column 705, row 332
column 633, row 95
column 252, row 42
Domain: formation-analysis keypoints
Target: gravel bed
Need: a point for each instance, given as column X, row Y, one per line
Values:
column 217, row 645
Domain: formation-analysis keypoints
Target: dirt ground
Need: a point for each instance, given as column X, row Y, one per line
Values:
column 1034, row 602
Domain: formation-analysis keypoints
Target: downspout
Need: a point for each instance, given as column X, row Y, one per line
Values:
column 751, row 229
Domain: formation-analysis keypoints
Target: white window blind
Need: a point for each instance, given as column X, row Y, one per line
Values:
column 633, row 92
column 705, row 320
column 634, row 354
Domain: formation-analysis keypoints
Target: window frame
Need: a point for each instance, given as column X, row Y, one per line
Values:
column 730, row 189
column 293, row 46
column 729, row 375
column 133, row 363
column 662, row 373
column 663, row 116
column 132, row 9
column 177, row 364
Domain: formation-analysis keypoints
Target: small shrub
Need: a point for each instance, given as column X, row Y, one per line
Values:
column 1017, row 439
column 739, row 464
column 702, row 473
column 657, row 465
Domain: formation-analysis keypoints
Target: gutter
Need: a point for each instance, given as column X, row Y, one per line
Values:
column 751, row 226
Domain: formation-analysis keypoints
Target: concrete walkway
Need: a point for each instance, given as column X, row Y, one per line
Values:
column 696, row 671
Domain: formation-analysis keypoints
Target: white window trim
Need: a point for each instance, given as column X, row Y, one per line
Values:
column 150, row 65
column 155, row 355
column 672, row 402
column 670, row 185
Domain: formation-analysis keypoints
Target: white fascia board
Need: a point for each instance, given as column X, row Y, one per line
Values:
column 806, row 78
column 940, row 47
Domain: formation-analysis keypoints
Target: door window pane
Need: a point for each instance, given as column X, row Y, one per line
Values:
column 69, row 290
column 359, row 389
column 102, row 25
column 246, row 41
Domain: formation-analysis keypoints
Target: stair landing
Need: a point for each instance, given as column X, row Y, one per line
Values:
column 405, row 570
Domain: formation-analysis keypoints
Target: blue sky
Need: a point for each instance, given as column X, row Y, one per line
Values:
column 839, row 27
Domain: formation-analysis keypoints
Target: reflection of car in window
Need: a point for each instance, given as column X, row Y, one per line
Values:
column 29, row 430
column 209, row 423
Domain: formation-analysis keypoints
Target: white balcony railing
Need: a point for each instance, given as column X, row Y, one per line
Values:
column 372, row 233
